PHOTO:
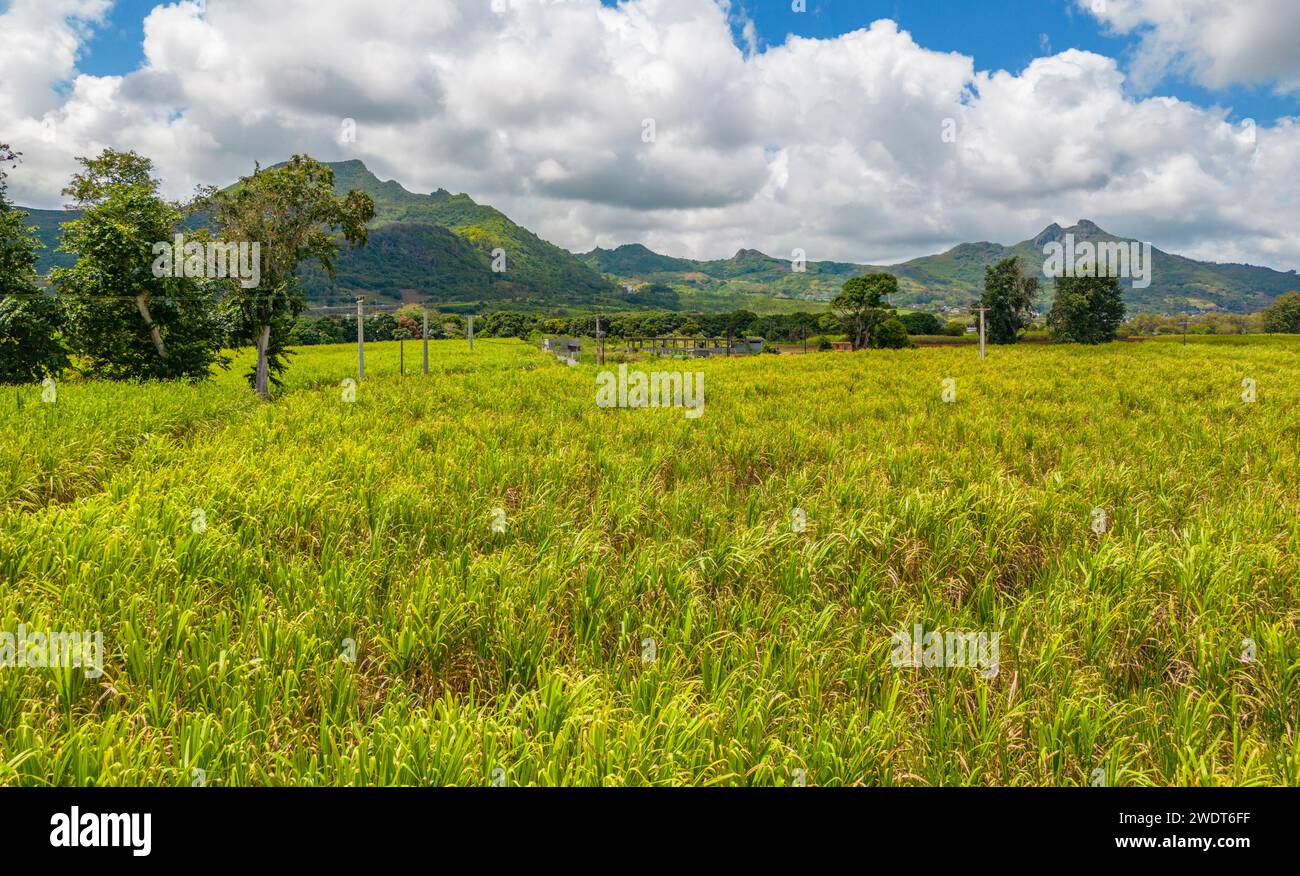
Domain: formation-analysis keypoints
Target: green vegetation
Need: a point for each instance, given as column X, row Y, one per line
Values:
column 1087, row 310
column 1009, row 296
column 292, row 213
column 527, row 650
column 1283, row 315
column 30, row 350
column 860, row 306
column 736, row 281
column 124, row 321
column 439, row 247
column 954, row 278
column 537, row 274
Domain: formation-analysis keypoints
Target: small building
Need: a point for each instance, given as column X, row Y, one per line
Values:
column 695, row 348
column 562, row 346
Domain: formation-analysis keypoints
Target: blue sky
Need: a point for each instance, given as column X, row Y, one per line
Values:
column 1005, row 35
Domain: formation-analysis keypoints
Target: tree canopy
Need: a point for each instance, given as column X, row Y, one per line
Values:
column 1087, row 310
column 1009, row 296
column 860, row 306
column 291, row 212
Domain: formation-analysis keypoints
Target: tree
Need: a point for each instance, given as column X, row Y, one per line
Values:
column 110, row 170
column 505, row 324
column 739, row 322
column 453, row 325
column 380, row 327
column 30, row 349
column 128, row 319
column 1283, row 315
column 1087, row 310
column 291, row 212
column 921, row 323
column 890, row 334
column 1009, row 296
column 859, row 306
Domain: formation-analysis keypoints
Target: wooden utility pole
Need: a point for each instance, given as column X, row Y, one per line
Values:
column 1186, row 323
column 471, row 332
column 426, row 340
column 361, row 339
column 982, row 311
column 600, row 342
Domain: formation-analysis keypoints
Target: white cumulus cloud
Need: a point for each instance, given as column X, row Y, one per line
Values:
column 1218, row 42
column 647, row 122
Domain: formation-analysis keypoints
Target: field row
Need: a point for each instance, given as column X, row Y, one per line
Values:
column 347, row 613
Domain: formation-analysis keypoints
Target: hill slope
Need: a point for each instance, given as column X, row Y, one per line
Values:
column 441, row 246
column 437, row 246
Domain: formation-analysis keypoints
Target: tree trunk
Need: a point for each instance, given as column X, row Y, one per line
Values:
column 141, row 303
column 262, row 380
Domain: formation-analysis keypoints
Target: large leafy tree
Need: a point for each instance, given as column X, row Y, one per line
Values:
column 292, row 213
column 129, row 323
column 1283, row 315
column 1009, row 296
column 860, row 306
column 30, row 347
column 1087, row 310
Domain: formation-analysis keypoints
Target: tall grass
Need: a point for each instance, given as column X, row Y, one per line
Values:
column 520, row 656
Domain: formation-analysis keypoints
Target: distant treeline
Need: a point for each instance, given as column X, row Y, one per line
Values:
column 776, row 328
column 1280, row 317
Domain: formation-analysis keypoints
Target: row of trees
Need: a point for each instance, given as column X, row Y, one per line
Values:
column 1090, row 310
column 405, row 324
column 1280, row 317
column 1086, row 310
column 124, row 320
column 776, row 328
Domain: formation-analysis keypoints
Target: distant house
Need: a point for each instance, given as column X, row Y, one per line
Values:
column 842, row 346
column 562, row 346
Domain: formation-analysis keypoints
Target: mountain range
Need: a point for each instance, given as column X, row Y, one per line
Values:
column 440, row 247
column 956, row 277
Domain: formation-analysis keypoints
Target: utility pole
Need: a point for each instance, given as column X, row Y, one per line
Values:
column 982, row 310
column 600, row 342
column 1186, row 323
column 471, row 332
column 805, row 339
column 361, row 339
column 426, row 340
